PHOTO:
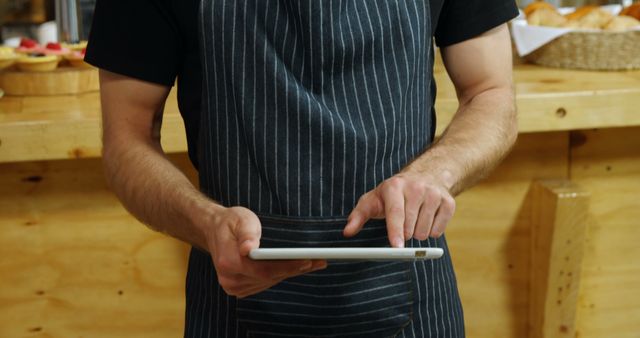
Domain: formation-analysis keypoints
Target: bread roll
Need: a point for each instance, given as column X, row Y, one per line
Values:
column 589, row 17
column 546, row 17
column 536, row 5
column 622, row 23
column 580, row 12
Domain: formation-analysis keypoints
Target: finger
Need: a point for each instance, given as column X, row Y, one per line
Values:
column 443, row 216
column 369, row 206
column 270, row 270
column 249, row 287
column 428, row 211
column 414, row 197
column 319, row 264
column 246, row 246
column 316, row 265
column 236, row 284
column 252, row 286
column 394, row 213
column 239, row 284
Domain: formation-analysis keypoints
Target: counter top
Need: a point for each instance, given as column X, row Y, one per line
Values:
column 60, row 127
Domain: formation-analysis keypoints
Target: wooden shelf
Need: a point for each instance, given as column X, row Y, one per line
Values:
column 68, row 126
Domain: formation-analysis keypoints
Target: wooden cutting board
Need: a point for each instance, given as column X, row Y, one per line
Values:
column 62, row 81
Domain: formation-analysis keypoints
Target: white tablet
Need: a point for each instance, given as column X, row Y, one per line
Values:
column 347, row 253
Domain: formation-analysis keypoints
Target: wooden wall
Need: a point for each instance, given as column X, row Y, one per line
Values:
column 607, row 164
column 490, row 237
column 74, row 263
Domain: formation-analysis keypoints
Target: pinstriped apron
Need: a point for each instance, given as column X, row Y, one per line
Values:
column 307, row 105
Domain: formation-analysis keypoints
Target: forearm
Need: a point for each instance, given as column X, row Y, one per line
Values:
column 155, row 191
column 479, row 136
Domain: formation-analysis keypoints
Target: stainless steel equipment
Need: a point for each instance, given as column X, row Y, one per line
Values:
column 68, row 20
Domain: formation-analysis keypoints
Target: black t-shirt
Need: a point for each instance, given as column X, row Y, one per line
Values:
column 157, row 41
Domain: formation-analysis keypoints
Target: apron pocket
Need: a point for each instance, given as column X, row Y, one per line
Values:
column 348, row 298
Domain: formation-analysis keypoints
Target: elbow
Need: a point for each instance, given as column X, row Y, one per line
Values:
column 511, row 130
column 109, row 161
column 121, row 152
column 115, row 148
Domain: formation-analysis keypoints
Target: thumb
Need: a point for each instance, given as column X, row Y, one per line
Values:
column 248, row 233
column 369, row 206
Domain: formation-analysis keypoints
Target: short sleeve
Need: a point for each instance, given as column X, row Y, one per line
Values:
column 137, row 38
column 461, row 20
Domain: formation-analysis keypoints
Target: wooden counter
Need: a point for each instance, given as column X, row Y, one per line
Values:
column 61, row 127
column 74, row 263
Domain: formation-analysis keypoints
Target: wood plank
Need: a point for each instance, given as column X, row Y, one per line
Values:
column 74, row 263
column 557, row 244
column 607, row 164
column 489, row 237
column 62, row 127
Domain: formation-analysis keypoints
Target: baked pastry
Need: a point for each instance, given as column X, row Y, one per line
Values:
column 536, row 5
column 7, row 57
column 589, row 17
column 632, row 11
column 75, row 46
column 546, row 17
column 540, row 13
column 76, row 59
column 580, row 12
column 54, row 48
column 38, row 62
column 622, row 23
column 28, row 46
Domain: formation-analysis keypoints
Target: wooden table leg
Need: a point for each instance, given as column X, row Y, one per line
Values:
column 558, row 232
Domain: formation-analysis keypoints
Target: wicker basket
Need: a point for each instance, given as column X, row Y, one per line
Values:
column 591, row 50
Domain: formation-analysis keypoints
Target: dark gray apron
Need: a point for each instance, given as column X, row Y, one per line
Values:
column 307, row 105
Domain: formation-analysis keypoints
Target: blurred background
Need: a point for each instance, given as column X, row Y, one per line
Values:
column 22, row 17
column 547, row 246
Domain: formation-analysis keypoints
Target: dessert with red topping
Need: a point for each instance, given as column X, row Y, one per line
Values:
column 76, row 59
column 55, row 48
column 28, row 46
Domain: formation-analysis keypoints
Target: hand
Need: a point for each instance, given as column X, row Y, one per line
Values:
column 235, row 232
column 414, row 205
